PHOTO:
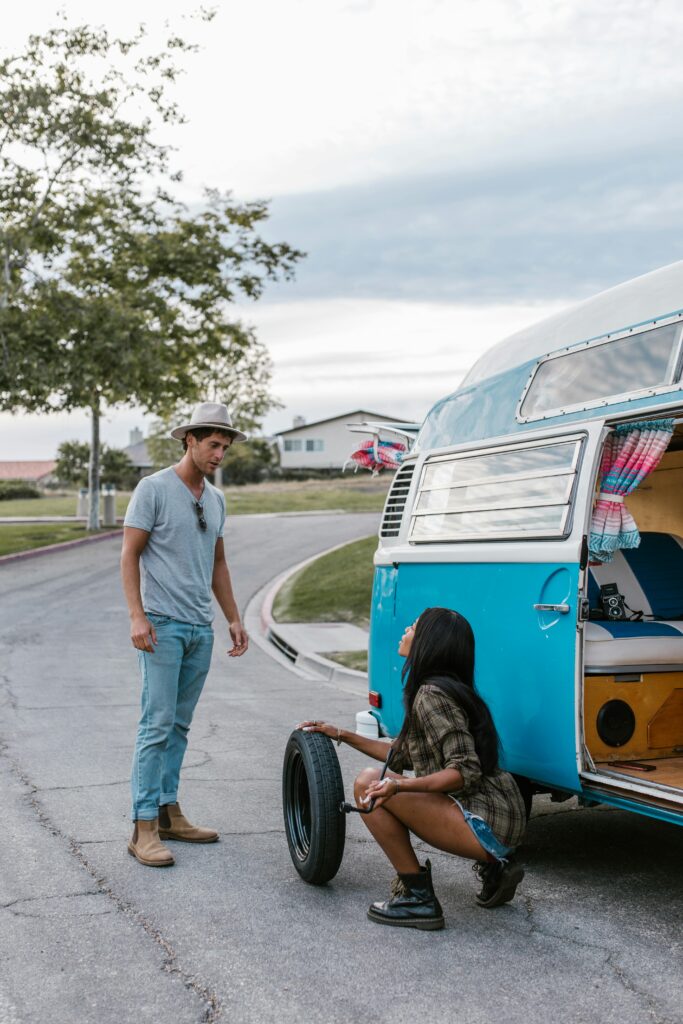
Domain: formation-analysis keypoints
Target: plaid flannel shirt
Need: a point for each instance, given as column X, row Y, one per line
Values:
column 439, row 738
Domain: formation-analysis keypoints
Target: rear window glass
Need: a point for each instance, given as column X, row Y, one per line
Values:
column 519, row 492
column 602, row 371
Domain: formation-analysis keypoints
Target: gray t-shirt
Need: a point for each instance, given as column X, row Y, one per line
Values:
column 177, row 561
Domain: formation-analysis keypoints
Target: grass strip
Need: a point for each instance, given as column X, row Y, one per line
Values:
column 54, row 505
column 351, row 494
column 334, row 588
column 357, row 660
column 247, row 500
column 15, row 537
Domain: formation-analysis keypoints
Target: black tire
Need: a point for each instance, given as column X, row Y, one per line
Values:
column 312, row 791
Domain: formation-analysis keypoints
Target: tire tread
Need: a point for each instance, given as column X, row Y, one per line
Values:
column 326, row 791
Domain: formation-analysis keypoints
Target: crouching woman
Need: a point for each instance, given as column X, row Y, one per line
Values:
column 459, row 801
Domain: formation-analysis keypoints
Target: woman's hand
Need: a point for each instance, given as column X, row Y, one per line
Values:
column 380, row 791
column 316, row 726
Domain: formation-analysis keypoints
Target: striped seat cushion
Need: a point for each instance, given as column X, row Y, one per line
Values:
column 651, row 579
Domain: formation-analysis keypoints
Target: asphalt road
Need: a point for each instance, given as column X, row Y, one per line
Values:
column 231, row 933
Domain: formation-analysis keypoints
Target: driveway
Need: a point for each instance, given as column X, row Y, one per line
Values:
column 231, row 933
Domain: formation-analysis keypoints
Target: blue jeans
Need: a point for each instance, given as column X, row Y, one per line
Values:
column 483, row 832
column 172, row 680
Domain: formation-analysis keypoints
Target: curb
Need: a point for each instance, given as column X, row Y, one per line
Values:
column 64, row 545
column 323, row 668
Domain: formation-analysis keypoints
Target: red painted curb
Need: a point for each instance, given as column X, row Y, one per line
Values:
column 62, row 546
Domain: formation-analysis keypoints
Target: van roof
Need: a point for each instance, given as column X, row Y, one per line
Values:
column 640, row 300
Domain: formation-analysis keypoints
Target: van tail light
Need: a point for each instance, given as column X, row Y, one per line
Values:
column 375, row 699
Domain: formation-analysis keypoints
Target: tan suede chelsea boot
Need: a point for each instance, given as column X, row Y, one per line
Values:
column 174, row 825
column 146, row 846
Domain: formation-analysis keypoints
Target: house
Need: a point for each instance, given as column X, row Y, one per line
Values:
column 138, row 453
column 38, row 471
column 324, row 444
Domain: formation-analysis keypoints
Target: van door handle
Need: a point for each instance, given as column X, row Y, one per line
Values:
column 563, row 609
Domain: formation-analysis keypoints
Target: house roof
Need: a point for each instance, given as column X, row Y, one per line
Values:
column 365, row 413
column 33, row 470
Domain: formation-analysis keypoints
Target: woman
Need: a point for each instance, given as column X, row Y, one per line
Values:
column 459, row 801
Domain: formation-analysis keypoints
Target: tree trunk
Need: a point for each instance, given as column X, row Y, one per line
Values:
column 5, row 282
column 94, row 469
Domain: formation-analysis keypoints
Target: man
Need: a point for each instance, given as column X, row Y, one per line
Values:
column 174, row 527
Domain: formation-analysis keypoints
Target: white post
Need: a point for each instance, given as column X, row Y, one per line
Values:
column 82, row 505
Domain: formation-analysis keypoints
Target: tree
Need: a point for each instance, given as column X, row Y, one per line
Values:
column 240, row 378
column 112, row 293
column 73, row 462
column 117, row 469
column 249, row 463
column 73, row 458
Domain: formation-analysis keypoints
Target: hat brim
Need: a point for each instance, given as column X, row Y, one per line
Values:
column 179, row 432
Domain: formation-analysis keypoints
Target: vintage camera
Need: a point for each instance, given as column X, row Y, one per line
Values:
column 613, row 603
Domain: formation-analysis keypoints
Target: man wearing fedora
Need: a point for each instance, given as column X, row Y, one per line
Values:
column 173, row 558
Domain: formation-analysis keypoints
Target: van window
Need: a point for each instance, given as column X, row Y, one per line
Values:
column 602, row 370
column 509, row 493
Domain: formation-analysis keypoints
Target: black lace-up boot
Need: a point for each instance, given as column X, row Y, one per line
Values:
column 412, row 903
column 499, row 881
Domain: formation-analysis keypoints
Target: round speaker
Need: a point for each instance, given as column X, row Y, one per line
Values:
column 616, row 723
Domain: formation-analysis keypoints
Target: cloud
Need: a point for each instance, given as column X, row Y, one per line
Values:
column 562, row 228
column 334, row 355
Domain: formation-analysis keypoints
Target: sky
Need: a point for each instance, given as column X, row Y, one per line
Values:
column 453, row 170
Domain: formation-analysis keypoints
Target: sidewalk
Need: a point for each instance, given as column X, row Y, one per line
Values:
column 304, row 644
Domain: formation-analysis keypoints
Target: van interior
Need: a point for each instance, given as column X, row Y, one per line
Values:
column 633, row 666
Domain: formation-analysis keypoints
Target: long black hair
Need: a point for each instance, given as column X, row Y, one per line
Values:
column 442, row 654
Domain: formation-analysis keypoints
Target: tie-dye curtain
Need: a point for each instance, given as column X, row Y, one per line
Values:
column 631, row 453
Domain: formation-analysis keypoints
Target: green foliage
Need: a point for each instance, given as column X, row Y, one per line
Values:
column 248, row 462
column 11, row 489
column 111, row 293
column 240, row 377
column 117, row 468
column 73, row 460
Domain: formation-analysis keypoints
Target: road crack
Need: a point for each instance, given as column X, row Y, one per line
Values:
column 11, row 698
column 84, row 785
column 170, row 961
column 608, row 961
column 54, row 896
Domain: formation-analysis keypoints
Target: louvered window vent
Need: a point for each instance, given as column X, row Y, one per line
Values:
column 396, row 502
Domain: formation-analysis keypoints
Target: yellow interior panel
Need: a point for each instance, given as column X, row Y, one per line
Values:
column 665, row 728
column 656, row 504
column 646, row 699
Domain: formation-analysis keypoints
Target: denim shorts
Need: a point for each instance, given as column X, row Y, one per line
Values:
column 482, row 832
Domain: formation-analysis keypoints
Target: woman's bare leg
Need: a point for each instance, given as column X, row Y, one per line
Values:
column 391, row 834
column 433, row 817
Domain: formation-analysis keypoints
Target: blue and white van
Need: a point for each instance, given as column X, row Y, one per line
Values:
column 489, row 514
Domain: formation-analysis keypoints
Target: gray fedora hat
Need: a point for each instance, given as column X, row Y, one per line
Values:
column 209, row 414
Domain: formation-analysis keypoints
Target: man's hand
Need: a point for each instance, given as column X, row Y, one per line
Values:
column 142, row 633
column 240, row 640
